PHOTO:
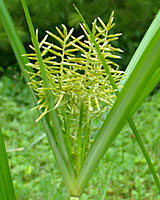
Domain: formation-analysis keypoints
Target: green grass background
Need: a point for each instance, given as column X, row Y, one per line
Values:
column 121, row 175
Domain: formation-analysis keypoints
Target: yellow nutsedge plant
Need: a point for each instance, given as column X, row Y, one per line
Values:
column 78, row 82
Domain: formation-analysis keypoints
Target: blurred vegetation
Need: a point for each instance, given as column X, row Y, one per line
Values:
column 132, row 18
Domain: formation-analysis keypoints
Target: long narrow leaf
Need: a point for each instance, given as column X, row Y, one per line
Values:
column 138, row 138
column 155, row 79
column 58, row 131
column 129, row 119
column 15, row 41
column 6, row 185
column 144, row 43
column 136, row 82
column 19, row 50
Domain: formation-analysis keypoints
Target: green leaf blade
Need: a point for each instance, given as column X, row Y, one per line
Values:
column 141, row 73
column 6, row 185
column 57, row 131
column 19, row 50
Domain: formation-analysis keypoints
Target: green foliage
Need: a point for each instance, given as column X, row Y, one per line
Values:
column 122, row 169
column 133, row 19
column 141, row 72
column 105, row 137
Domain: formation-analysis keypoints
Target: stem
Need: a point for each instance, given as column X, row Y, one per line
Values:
column 74, row 198
column 85, row 139
column 79, row 151
column 67, row 135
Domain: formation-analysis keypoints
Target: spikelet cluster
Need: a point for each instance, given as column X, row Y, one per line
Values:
column 76, row 74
